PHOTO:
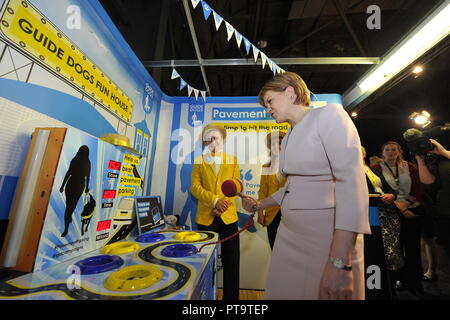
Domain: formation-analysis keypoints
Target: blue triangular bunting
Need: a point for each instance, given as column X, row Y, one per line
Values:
column 247, row 45
column 182, row 84
column 206, row 10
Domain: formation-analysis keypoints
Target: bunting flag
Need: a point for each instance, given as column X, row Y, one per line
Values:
column 238, row 38
column 182, row 84
column 274, row 69
column 230, row 30
column 247, row 45
column 196, row 93
column 195, row 3
column 217, row 20
column 174, row 74
column 255, row 53
column 203, row 95
column 189, row 90
column 206, row 10
column 263, row 59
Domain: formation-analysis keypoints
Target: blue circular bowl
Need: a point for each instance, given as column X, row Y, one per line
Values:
column 179, row 250
column 150, row 237
column 99, row 264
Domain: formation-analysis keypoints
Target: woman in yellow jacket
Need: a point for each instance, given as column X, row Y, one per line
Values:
column 216, row 212
column 271, row 181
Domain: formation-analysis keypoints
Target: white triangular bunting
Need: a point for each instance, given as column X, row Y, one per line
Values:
column 263, row 59
column 174, row 74
column 189, row 90
column 230, row 30
column 238, row 38
column 255, row 52
column 203, row 95
column 270, row 63
column 195, row 3
column 196, row 93
column 217, row 20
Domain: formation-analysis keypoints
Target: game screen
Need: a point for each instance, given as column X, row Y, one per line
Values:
column 149, row 213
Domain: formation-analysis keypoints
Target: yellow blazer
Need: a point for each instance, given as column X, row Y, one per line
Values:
column 206, row 186
column 269, row 185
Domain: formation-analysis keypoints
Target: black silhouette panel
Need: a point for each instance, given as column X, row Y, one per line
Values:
column 75, row 181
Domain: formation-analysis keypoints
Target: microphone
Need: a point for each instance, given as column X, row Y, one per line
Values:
column 234, row 187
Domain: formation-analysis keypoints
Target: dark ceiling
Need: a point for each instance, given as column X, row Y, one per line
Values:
column 158, row 30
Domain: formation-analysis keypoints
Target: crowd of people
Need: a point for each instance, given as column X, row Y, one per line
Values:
column 329, row 214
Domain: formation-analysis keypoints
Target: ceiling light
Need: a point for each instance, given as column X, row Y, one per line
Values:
column 422, row 118
column 354, row 114
column 420, row 40
column 417, row 69
column 423, row 37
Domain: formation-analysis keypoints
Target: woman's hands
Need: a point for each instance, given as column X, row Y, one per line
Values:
column 249, row 203
column 336, row 284
column 439, row 149
column 220, row 207
column 261, row 218
column 387, row 198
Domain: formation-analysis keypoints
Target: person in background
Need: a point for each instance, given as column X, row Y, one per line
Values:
column 318, row 252
column 216, row 212
column 437, row 172
column 271, row 181
column 403, row 178
column 382, row 248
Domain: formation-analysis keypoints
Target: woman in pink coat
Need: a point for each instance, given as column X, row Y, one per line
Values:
column 318, row 252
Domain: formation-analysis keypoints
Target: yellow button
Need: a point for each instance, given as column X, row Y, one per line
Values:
column 188, row 236
column 120, row 248
column 133, row 278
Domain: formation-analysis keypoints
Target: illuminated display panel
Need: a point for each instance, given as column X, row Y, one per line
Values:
column 114, row 165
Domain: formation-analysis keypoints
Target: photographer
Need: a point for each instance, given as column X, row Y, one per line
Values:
column 435, row 169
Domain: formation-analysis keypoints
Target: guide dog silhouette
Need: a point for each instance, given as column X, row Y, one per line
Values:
column 75, row 181
column 88, row 212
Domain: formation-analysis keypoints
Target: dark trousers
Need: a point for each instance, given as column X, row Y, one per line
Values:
column 230, row 256
column 272, row 229
column 374, row 254
column 411, row 274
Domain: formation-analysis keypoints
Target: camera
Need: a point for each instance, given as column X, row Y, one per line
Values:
column 418, row 142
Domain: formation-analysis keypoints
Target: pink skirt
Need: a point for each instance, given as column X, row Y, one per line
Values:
column 301, row 250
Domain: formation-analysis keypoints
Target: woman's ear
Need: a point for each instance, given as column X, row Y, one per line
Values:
column 290, row 92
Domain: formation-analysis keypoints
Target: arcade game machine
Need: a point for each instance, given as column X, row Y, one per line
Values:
column 80, row 228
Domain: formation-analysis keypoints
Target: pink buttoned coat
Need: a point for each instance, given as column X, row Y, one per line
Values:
column 326, row 190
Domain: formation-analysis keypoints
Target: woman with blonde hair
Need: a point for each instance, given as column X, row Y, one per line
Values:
column 403, row 178
column 271, row 181
column 318, row 251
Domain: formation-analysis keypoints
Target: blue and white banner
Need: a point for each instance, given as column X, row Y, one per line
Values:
column 255, row 53
column 247, row 45
column 217, row 20
column 238, row 38
column 174, row 74
column 195, row 3
column 230, row 30
column 206, row 10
